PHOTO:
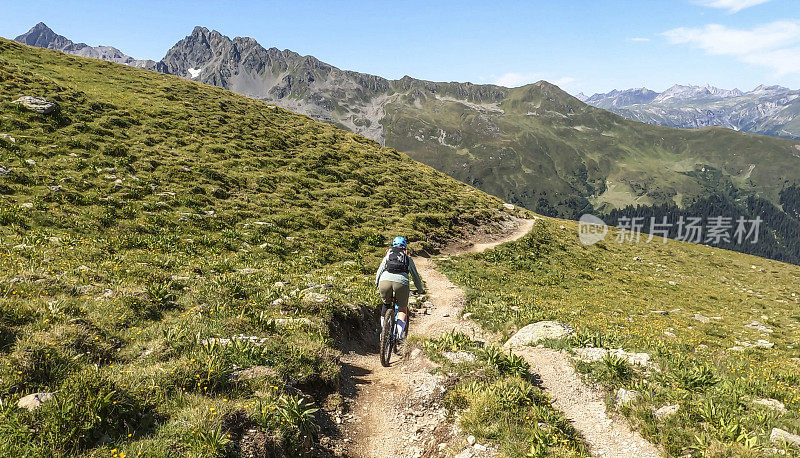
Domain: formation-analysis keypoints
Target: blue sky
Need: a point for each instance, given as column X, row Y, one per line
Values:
column 581, row 45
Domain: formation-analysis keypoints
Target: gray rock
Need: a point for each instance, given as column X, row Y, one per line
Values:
column 536, row 332
column 596, row 354
column 4, row 171
column 778, row 435
column 459, row 357
column 471, row 440
column 9, row 138
column 37, row 104
column 253, row 373
column 509, row 207
column 626, row 396
column 34, row 401
column 667, row 411
column 254, row 340
column 311, row 298
column 760, row 343
column 302, row 321
column 771, row 403
column 759, row 327
column 660, row 312
column 702, row 318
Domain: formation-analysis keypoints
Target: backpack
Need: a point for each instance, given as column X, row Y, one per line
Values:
column 397, row 260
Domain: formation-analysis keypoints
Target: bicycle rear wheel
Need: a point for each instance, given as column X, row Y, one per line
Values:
column 387, row 337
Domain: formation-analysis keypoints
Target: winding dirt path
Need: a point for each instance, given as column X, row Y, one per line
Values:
column 584, row 406
column 383, row 420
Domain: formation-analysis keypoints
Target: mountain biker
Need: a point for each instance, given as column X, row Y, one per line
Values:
column 392, row 281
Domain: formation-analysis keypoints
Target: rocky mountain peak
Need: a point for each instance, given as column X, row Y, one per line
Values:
column 43, row 36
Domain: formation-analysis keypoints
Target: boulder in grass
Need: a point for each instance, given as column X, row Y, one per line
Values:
column 536, row 332
column 37, row 104
column 778, row 435
column 34, row 401
column 771, row 403
column 311, row 298
column 667, row 411
column 626, row 396
column 255, row 372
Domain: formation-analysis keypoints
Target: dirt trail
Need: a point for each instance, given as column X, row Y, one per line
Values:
column 384, row 422
column 584, row 407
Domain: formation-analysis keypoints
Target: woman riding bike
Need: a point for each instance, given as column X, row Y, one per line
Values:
column 393, row 284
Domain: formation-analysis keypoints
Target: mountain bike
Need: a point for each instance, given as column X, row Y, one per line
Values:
column 388, row 337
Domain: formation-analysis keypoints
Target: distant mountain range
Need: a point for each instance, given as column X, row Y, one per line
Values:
column 766, row 110
column 43, row 37
column 535, row 145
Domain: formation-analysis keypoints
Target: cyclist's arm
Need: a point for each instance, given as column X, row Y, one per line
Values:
column 380, row 271
column 415, row 275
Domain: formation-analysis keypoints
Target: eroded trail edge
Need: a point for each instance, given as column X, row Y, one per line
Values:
column 397, row 412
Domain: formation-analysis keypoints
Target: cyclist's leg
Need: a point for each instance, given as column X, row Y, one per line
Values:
column 386, row 290
column 401, row 293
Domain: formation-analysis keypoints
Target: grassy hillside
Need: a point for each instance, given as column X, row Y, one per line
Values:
column 152, row 220
column 721, row 328
column 540, row 147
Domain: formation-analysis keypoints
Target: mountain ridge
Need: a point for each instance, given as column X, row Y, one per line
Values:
column 43, row 36
column 766, row 110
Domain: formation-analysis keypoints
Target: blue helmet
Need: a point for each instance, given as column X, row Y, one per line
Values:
column 399, row 242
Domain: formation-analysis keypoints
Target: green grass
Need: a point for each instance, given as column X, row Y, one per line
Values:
column 151, row 215
column 608, row 293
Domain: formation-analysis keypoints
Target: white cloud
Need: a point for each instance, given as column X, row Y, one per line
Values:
column 516, row 79
column 733, row 6
column 640, row 39
column 721, row 40
column 775, row 45
column 783, row 61
column 563, row 81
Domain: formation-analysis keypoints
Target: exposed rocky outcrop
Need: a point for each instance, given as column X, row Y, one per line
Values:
column 37, row 104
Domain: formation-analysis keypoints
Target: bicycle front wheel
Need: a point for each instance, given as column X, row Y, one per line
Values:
column 387, row 337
